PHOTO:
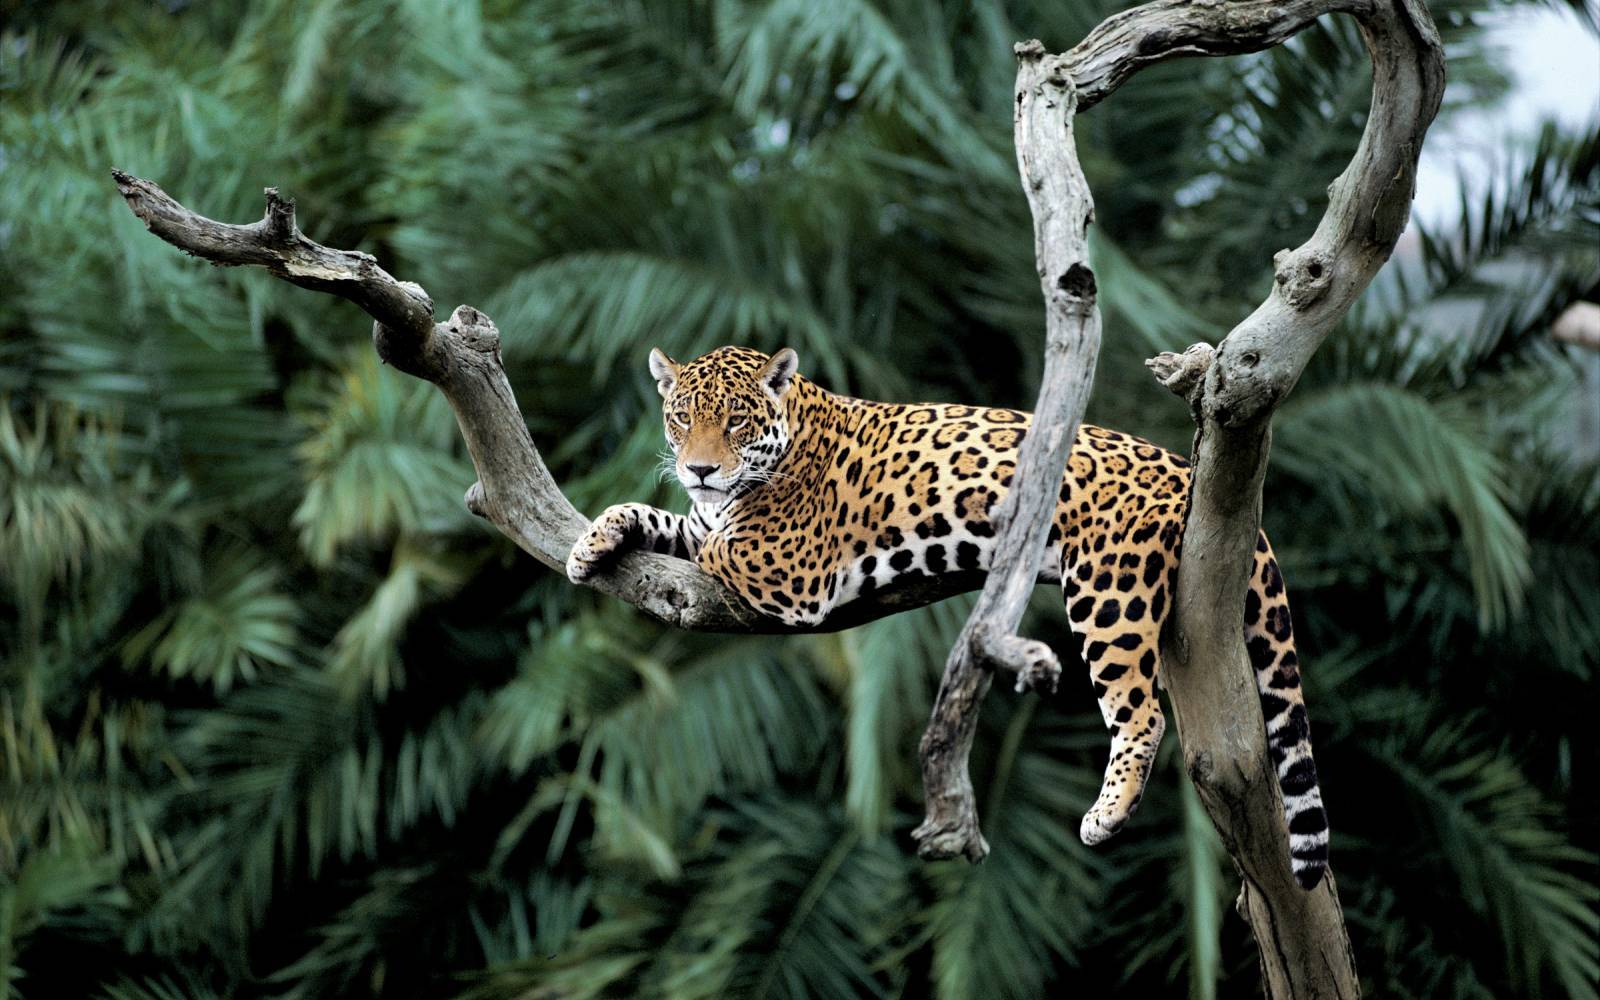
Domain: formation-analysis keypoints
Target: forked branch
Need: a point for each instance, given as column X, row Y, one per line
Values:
column 1232, row 389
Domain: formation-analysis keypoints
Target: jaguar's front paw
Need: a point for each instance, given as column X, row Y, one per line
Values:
column 582, row 562
column 600, row 546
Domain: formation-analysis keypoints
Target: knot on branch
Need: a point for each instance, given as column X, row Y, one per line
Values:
column 475, row 330
column 1240, row 389
column 1030, row 50
column 1034, row 663
column 958, row 837
column 476, row 501
column 1077, row 286
column 1037, row 66
column 1183, row 373
column 1303, row 275
column 278, row 224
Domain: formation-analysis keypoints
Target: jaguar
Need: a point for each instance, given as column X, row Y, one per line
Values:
column 804, row 500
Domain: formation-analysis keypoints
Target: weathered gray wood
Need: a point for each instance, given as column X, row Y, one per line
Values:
column 1232, row 390
column 1303, row 946
column 1130, row 40
column 515, row 491
column 1062, row 206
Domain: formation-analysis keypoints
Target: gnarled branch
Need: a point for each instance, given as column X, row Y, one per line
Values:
column 1205, row 668
column 1233, row 390
column 515, row 491
column 1059, row 197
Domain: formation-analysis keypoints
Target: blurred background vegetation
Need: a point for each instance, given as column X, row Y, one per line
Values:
column 279, row 718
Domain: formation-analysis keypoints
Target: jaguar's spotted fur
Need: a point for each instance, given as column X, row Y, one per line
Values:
column 805, row 500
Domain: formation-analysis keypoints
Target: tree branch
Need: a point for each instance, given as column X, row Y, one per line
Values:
column 515, row 491
column 1233, row 390
column 1062, row 207
column 1127, row 42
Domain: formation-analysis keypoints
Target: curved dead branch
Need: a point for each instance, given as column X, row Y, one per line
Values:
column 1062, row 207
column 1232, row 393
column 515, row 491
column 1127, row 42
column 1232, row 389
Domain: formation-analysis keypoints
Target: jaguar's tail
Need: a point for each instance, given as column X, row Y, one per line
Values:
column 1269, row 636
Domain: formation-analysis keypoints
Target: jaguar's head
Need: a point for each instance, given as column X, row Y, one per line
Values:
column 726, row 418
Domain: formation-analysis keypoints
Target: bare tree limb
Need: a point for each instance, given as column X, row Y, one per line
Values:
column 515, row 491
column 1303, row 946
column 1127, row 42
column 1062, row 207
column 1233, row 390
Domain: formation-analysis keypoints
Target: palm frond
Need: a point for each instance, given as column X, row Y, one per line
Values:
column 62, row 506
column 76, row 890
column 999, row 927
column 1492, row 828
column 1204, row 899
column 365, row 654
column 379, row 460
column 602, row 306
column 799, row 58
column 1396, row 452
column 812, row 907
column 737, row 719
column 159, row 988
column 890, row 668
column 239, row 624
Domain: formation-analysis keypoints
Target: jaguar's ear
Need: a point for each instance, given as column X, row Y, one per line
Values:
column 665, row 370
column 776, row 373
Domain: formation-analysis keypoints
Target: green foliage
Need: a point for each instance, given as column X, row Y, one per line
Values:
column 1507, row 862
column 279, row 718
column 1410, row 462
column 240, row 623
column 378, row 460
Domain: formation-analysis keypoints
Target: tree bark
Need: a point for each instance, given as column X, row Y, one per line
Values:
column 515, row 491
column 1062, row 207
column 1232, row 391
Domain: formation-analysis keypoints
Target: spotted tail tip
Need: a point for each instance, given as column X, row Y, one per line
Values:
column 1308, row 846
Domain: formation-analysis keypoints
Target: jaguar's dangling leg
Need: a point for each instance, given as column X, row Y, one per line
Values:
column 1116, row 601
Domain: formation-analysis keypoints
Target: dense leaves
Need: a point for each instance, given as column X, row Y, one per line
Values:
column 278, row 718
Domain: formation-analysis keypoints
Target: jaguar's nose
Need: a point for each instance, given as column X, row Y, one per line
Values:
column 702, row 471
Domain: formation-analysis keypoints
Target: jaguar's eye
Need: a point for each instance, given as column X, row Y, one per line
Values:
column 680, row 417
column 737, row 421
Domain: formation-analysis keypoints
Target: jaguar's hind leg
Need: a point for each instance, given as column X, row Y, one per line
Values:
column 1116, row 603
